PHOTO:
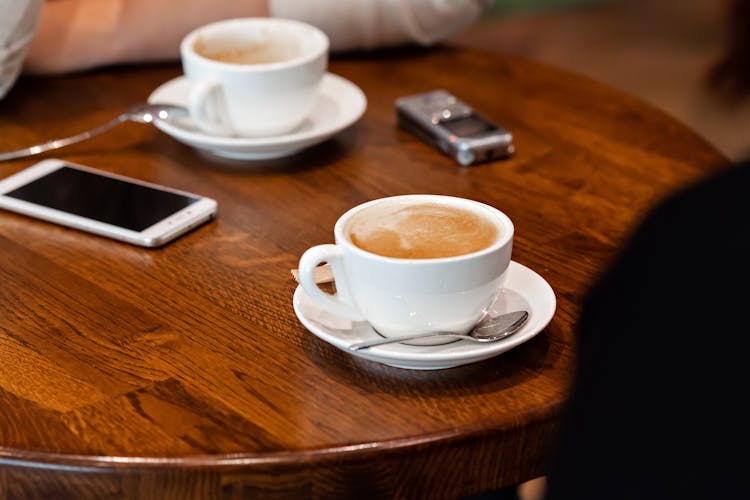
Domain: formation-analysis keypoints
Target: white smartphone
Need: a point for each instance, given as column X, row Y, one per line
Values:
column 106, row 204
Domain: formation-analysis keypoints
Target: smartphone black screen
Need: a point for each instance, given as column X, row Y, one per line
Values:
column 101, row 198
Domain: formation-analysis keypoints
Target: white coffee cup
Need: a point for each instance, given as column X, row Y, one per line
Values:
column 253, row 77
column 398, row 296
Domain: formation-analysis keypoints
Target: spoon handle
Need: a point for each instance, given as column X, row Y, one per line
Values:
column 393, row 340
column 60, row 143
column 492, row 330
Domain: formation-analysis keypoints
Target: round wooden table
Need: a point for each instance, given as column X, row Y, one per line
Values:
column 183, row 372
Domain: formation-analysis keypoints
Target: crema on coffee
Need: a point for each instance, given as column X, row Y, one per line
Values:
column 420, row 231
column 273, row 50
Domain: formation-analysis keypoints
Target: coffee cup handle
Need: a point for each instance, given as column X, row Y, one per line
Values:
column 208, row 108
column 339, row 304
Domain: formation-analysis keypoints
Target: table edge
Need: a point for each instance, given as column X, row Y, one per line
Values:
column 546, row 415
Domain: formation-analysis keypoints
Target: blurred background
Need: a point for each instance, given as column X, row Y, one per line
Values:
column 658, row 50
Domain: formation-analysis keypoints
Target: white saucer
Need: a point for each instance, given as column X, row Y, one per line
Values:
column 339, row 104
column 525, row 289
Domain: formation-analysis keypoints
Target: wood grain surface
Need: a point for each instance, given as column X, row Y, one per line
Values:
column 183, row 372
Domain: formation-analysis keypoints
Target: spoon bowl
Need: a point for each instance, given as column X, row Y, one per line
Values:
column 147, row 113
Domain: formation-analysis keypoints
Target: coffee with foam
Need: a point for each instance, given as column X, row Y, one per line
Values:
column 253, row 77
column 421, row 231
column 272, row 50
column 414, row 263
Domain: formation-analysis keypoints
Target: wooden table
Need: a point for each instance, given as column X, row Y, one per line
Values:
column 183, row 372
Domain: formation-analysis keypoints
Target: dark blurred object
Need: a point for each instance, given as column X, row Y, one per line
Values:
column 731, row 75
column 658, row 408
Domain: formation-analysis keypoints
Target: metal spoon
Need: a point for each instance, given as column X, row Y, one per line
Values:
column 142, row 113
column 491, row 330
